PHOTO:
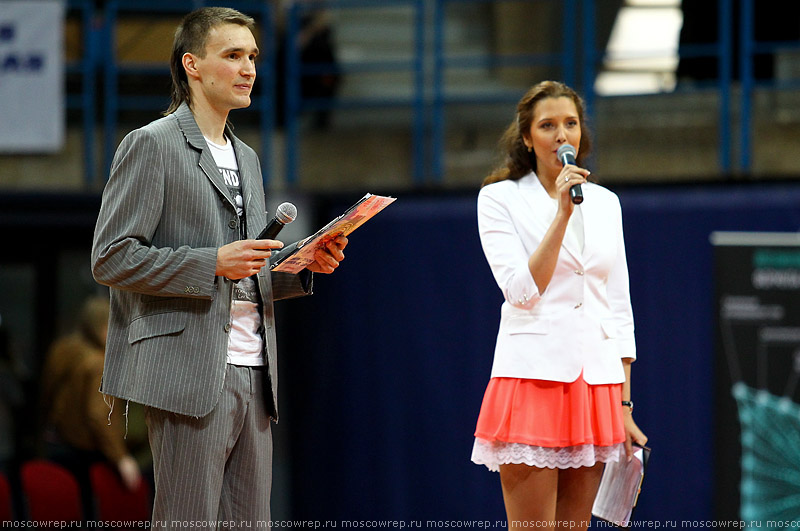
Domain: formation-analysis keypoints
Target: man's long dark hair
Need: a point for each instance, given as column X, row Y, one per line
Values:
column 191, row 37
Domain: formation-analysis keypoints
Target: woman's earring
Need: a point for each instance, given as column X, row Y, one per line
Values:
column 529, row 149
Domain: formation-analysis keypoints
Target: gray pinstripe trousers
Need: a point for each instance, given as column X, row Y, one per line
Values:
column 218, row 467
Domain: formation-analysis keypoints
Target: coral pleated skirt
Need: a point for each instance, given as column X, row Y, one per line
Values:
column 549, row 424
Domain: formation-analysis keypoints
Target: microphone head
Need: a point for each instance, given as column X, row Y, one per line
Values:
column 567, row 154
column 285, row 213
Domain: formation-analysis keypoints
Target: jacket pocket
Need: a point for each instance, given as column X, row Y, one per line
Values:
column 156, row 324
column 527, row 325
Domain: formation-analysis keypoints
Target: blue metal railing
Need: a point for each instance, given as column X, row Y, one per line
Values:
column 427, row 64
column 746, row 44
column 564, row 59
column 749, row 48
column 725, row 75
column 86, row 67
column 113, row 102
column 294, row 104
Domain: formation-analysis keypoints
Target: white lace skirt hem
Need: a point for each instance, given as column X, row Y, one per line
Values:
column 494, row 454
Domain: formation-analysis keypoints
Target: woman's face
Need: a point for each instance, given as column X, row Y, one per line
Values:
column 555, row 122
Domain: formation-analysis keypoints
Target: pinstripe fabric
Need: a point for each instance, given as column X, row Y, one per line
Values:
column 216, row 468
column 165, row 212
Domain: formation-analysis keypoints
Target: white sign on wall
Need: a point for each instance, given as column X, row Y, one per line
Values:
column 31, row 76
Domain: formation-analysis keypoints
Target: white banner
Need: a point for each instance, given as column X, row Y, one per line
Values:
column 31, row 76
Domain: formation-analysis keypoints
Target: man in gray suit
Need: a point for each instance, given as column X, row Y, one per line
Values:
column 191, row 332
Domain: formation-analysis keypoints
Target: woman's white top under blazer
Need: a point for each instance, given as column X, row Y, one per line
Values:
column 583, row 321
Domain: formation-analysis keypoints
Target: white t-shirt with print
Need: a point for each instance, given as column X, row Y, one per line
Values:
column 246, row 344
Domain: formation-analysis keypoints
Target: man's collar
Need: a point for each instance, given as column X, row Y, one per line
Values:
column 188, row 124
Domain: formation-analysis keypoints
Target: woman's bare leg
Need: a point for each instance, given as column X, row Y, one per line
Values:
column 577, row 488
column 529, row 494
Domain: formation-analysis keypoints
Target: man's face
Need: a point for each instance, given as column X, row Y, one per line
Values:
column 227, row 72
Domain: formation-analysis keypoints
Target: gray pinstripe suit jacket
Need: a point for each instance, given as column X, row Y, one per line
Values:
column 165, row 212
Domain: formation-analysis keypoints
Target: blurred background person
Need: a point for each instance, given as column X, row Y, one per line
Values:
column 558, row 404
column 82, row 425
column 317, row 48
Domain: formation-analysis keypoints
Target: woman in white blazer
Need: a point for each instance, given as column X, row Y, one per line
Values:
column 558, row 404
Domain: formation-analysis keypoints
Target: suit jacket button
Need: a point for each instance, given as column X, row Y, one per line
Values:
column 232, row 223
column 227, row 327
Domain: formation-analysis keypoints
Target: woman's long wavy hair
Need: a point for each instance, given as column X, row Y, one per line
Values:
column 519, row 162
column 191, row 36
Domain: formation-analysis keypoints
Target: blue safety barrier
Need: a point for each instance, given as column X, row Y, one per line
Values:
column 427, row 63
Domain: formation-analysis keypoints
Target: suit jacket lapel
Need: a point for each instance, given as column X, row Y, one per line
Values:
column 196, row 139
column 545, row 210
column 249, row 175
column 571, row 242
column 593, row 231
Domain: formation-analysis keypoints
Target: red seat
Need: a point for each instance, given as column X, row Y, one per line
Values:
column 50, row 491
column 113, row 501
column 6, row 514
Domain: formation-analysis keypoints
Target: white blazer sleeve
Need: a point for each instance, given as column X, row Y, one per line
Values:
column 504, row 250
column 619, row 297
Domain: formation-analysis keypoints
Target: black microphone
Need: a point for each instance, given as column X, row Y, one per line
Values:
column 566, row 154
column 284, row 214
column 278, row 255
